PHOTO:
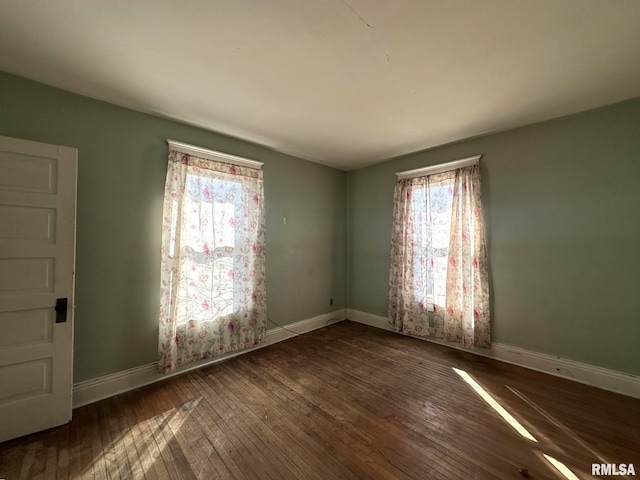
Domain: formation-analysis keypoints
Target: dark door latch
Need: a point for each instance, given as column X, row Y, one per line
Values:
column 61, row 310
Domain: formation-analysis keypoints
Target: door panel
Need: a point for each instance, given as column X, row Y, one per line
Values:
column 37, row 255
column 24, row 172
column 25, row 379
column 36, row 224
column 26, row 275
column 26, row 327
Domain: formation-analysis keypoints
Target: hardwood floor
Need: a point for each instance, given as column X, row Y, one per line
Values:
column 344, row 402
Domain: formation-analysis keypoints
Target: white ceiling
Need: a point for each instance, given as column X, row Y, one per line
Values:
column 347, row 83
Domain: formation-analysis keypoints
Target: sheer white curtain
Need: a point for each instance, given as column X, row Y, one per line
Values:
column 439, row 258
column 213, row 297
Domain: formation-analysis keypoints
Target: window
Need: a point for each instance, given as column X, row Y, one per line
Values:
column 214, row 252
column 213, row 282
column 432, row 216
column 438, row 255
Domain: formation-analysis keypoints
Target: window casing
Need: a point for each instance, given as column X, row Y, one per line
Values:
column 213, row 295
column 438, row 255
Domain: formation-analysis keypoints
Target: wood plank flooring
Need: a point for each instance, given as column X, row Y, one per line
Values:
column 344, row 402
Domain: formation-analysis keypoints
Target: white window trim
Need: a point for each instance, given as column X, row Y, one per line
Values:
column 212, row 155
column 441, row 167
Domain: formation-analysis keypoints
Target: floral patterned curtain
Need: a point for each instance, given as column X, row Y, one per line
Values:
column 213, row 297
column 439, row 268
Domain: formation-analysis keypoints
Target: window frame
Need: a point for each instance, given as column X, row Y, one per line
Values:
column 182, row 147
column 439, row 168
column 431, row 304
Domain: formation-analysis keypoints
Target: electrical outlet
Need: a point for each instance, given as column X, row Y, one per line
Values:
column 331, row 301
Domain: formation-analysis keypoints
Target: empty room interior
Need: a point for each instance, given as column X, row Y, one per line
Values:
column 356, row 239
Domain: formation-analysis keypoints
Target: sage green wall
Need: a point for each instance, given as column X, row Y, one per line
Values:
column 562, row 201
column 562, row 204
column 122, row 158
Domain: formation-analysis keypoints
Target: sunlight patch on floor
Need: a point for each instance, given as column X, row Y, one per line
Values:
column 550, row 418
column 507, row 417
column 148, row 446
column 561, row 467
column 517, row 426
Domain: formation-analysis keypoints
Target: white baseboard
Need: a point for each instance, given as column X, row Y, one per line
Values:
column 612, row 380
column 368, row 319
column 113, row 384
column 607, row 379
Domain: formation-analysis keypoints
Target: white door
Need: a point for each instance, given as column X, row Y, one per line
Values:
column 37, row 256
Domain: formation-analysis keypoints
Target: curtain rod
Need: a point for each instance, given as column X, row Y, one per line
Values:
column 441, row 167
column 212, row 154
